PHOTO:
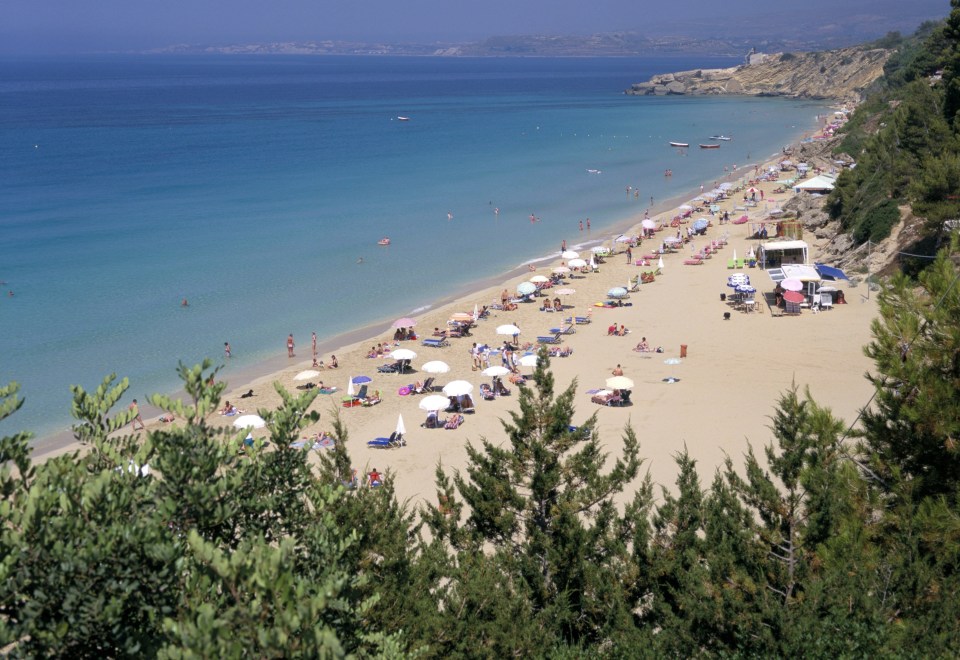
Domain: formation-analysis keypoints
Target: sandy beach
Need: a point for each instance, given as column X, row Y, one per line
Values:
column 725, row 388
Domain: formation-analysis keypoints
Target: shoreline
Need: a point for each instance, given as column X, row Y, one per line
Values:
column 262, row 371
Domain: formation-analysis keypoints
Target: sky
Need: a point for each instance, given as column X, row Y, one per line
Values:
column 64, row 26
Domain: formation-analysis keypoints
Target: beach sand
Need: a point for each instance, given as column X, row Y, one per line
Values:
column 727, row 388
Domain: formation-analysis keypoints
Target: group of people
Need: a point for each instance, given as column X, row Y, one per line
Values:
column 619, row 332
column 555, row 306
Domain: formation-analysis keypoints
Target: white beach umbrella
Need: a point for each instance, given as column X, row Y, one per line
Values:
column 623, row 238
column 401, row 429
column 250, row 422
column 529, row 360
column 508, row 329
column 672, row 239
column 496, row 370
column 435, row 367
column 648, row 224
column 403, row 354
column 685, row 207
column 539, row 279
column 570, row 254
column 577, row 263
column 458, row 388
column 307, row 375
column 561, row 270
column 600, row 249
column 619, row 383
column 617, row 292
column 434, row 402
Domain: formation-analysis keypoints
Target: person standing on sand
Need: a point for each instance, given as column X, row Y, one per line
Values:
column 504, row 298
column 629, row 254
column 137, row 419
column 226, row 350
column 290, row 345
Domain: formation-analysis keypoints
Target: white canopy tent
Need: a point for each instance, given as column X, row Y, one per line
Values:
column 819, row 183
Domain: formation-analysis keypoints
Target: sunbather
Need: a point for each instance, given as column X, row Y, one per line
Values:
column 642, row 347
column 228, row 409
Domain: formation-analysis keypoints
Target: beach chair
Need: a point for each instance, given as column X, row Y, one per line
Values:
column 741, row 263
column 552, row 339
column 371, row 400
column 390, row 368
column 731, row 263
column 435, row 343
column 499, row 388
column 693, row 261
column 395, row 441
column 567, row 330
column 427, row 386
column 826, row 301
column 454, row 422
column 582, row 320
column 466, row 404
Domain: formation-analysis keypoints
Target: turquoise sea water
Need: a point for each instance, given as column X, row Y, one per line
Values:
column 251, row 186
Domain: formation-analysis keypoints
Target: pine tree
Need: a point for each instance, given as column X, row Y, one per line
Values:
column 543, row 507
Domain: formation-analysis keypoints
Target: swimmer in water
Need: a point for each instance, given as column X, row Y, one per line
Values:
column 359, row 260
column 184, row 303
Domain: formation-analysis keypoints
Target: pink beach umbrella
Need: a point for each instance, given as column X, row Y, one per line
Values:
column 405, row 322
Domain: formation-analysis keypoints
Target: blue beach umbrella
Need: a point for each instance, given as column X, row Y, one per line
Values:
column 360, row 380
column 701, row 224
column 617, row 292
column 526, row 288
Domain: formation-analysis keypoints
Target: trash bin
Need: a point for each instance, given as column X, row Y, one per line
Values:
column 683, row 350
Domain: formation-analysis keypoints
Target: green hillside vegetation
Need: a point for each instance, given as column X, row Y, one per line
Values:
column 843, row 542
column 906, row 139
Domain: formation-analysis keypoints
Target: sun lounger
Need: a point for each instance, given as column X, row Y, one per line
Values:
column 581, row 320
column 432, row 421
column 395, row 441
column 454, row 421
column 552, row 339
column 695, row 261
column 390, row 368
column 466, row 404
column 436, row 343
column 567, row 330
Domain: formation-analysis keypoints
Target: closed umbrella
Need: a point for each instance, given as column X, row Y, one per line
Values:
column 619, row 383
column 405, row 322
column 496, row 370
column 457, row 388
column 434, row 402
column 307, row 375
column 570, row 254
column 792, row 284
column 350, row 390
column 526, row 288
column 660, row 263
column 250, row 422
column 508, row 329
column 435, row 367
column 403, row 354
column 617, row 292
column 401, row 429
column 593, row 263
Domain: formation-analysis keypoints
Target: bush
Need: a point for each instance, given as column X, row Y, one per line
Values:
column 877, row 222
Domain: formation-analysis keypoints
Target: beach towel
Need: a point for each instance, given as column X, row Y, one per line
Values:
column 454, row 421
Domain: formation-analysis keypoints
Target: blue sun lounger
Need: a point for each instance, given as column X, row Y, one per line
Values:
column 552, row 339
column 436, row 343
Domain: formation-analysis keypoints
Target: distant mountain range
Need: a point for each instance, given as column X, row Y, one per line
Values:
column 775, row 31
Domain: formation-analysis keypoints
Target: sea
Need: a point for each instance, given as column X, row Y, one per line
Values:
column 257, row 188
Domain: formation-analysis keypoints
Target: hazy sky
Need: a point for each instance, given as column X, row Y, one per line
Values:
column 94, row 25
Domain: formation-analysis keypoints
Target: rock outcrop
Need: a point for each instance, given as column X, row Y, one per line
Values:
column 841, row 75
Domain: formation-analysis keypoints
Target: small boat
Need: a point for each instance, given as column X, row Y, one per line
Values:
column 721, row 137
column 384, row 241
column 709, row 146
column 402, row 118
column 679, row 144
column 594, row 171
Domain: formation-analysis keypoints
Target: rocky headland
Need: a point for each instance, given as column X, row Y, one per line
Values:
column 843, row 75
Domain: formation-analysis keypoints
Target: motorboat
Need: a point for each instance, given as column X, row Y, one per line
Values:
column 402, row 118
column 679, row 144
column 721, row 137
column 384, row 241
column 709, row 146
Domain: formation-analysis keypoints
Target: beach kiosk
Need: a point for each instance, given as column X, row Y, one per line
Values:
column 774, row 254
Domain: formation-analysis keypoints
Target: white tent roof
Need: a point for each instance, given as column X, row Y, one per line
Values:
column 770, row 246
column 820, row 182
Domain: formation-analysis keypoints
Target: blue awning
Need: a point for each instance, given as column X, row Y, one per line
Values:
column 831, row 273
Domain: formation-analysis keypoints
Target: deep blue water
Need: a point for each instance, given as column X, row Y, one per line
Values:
column 251, row 186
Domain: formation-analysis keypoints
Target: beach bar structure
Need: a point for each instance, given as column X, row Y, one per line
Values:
column 774, row 254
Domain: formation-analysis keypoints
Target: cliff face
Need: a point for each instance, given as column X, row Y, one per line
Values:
column 841, row 74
